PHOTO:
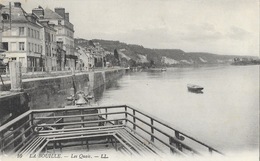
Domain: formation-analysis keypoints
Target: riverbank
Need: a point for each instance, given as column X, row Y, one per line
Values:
column 51, row 92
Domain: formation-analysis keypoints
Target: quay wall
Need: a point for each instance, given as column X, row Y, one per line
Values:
column 42, row 93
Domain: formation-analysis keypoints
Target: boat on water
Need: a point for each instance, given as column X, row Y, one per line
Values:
column 194, row 88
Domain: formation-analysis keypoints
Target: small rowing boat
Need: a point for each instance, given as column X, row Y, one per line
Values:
column 196, row 88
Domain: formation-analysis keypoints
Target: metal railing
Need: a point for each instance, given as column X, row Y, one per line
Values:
column 19, row 131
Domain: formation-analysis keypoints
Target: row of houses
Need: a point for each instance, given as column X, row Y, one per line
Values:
column 91, row 54
column 40, row 40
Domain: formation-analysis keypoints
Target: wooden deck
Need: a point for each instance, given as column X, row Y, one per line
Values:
column 119, row 127
column 118, row 136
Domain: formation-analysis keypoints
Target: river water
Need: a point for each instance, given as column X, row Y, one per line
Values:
column 225, row 115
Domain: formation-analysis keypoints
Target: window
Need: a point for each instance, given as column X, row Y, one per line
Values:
column 21, row 31
column 35, row 48
column 32, row 33
column 29, row 33
column 40, row 48
column 35, row 36
column 29, row 46
column 59, row 31
column 5, row 16
column 5, row 45
column 21, row 46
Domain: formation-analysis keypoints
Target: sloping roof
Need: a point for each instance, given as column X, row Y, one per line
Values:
column 17, row 13
column 50, row 14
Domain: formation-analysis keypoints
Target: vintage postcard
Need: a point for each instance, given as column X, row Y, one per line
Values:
column 129, row 80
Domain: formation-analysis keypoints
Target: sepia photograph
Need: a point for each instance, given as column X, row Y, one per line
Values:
column 155, row 80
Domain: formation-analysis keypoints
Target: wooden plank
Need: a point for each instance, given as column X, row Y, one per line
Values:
column 130, row 150
column 72, row 116
column 80, row 137
column 154, row 147
column 137, row 141
column 136, row 148
column 39, row 150
column 78, row 134
column 85, row 128
column 79, row 123
column 34, row 146
column 73, row 108
column 31, row 145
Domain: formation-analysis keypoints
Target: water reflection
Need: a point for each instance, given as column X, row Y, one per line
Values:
column 98, row 92
column 195, row 91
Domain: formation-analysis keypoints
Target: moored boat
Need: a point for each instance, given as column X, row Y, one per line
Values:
column 196, row 88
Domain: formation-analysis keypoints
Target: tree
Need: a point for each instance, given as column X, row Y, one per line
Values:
column 152, row 64
column 116, row 54
column 132, row 63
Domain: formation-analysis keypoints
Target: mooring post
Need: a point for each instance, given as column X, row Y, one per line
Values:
column 15, row 76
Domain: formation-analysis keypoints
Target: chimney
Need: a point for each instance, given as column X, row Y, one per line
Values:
column 17, row 4
column 60, row 11
column 67, row 17
column 39, row 12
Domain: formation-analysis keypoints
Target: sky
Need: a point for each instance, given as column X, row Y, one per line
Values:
column 229, row 27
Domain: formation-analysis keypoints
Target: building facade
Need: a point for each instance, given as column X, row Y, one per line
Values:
column 49, row 54
column 22, row 40
column 64, row 33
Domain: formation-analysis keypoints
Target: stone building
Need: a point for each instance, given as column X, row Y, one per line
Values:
column 49, row 54
column 23, row 41
column 64, row 34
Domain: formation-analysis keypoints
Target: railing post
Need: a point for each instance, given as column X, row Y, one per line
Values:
column 171, row 141
column 210, row 150
column 125, row 115
column 1, row 143
column 178, row 145
column 31, row 119
column 134, row 126
column 106, row 112
column 106, row 116
column 82, row 117
column 152, row 130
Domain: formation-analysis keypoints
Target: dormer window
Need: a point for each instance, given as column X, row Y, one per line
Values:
column 6, row 16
